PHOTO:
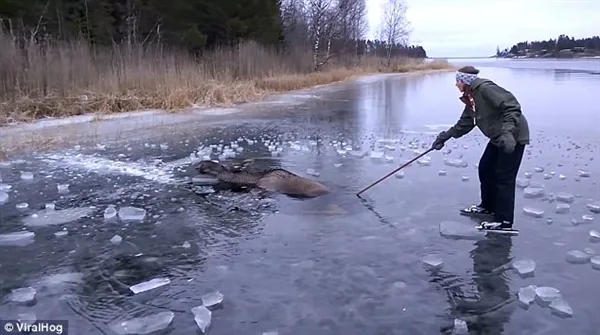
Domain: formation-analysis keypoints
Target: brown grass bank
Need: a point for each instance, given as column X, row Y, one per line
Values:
column 72, row 78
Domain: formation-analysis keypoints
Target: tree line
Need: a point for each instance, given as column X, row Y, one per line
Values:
column 554, row 46
column 329, row 28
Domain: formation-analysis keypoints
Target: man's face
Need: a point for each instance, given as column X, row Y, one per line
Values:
column 460, row 85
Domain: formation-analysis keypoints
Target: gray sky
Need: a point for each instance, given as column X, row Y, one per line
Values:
column 471, row 28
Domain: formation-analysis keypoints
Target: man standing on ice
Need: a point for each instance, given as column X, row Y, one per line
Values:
column 497, row 113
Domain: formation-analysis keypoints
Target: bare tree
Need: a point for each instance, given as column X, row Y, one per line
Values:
column 394, row 29
column 324, row 27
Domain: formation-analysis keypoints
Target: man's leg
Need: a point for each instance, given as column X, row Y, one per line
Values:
column 507, row 168
column 486, row 180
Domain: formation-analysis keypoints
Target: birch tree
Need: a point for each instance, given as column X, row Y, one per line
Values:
column 394, row 28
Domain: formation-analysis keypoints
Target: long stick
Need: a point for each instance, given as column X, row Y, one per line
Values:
column 391, row 173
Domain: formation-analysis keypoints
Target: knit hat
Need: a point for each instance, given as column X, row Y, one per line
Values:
column 467, row 75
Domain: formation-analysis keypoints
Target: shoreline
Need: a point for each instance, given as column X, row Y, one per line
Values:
column 51, row 133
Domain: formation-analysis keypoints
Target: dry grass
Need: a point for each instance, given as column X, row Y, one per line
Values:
column 72, row 78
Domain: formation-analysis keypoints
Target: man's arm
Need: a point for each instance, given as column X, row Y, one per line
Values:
column 506, row 103
column 463, row 126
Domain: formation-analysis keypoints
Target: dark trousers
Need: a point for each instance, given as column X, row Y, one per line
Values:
column 498, row 175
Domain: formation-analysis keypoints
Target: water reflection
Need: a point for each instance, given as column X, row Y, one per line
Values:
column 488, row 309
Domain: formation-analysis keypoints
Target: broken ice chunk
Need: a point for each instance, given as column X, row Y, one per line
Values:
column 116, row 239
column 459, row 163
column 584, row 174
column 595, row 262
column 131, row 213
column 376, row 155
column 24, row 295
column 63, row 188
column 460, row 327
column 533, row 192
column 538, row 169
column 204, row 181
column 533, row 212
column 547, row 176
column 357, row 153
column 577, row 257
column 594, row 236
column 425, row 161
column 399, row 174
column 465, row 178
column 563, row 208
column 212, row 299
column 587, row 218
column 433, row 262
column 564, row 197
column 527, row 175
column 149, row 285
column 337, row 165
column 5, row 187
column 26, row 175
column 441, row 173
column 594, row 207
column 50, row 217
column 389, row 147
column 522, row 183
column 50, row 206
column 562, row 177
column 20, row 238
column 3, row 197
column 561, row 308
column 143, row 325
column 202, row 316
column 547, row 294
column 389, row 159
column 110, row 212
column 22, row 205
column 524, row 267
column 527, row 295
column 61, row 233
column 312, row 172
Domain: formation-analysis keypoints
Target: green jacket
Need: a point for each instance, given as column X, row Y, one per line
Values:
column 497, row 111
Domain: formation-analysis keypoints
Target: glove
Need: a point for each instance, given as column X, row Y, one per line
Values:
column 507, row 142
column 440, row 140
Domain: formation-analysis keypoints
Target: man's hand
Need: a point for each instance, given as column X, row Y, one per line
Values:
column 507, row 142
column 440, row 140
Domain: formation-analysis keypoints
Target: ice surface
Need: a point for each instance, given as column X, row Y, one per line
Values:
column 459, row 163
column 357, row 153
column 561, row 308
column 26, row 175
column 3, row 197
column 563, row 208
column 577, row 257
column 533, row 192
column 589, row 251
column 399, row 174
column 547, row 293
column 433, row 261
column 595, row 260
column 460, row 327
column 51, row 217
column 110, row 212
column 22, row 205
column 25, row 295
column 149, row 285
column 50, row 205
column 28, row 318
column 564, row 197
column 20, row 238
column 312, row 172
column 527, row 295
column 116, row 239
column 212, row 299
column 202, row 316
column 129, row 213
column 594, row 236
column 533, row 212
column 270, row 333
column 522, row 182
column 594, row 207
column 144, row 325
column 524, row 267
column 457, row 230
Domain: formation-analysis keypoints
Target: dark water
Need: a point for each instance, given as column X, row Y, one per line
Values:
column 331, row 265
